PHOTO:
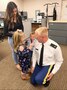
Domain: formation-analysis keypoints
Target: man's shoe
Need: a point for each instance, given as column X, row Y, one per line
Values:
column 47, row 84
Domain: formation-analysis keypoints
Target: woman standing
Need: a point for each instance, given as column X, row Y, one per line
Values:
column 12, row 22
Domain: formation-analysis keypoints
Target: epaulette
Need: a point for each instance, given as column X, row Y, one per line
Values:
column 53, row 45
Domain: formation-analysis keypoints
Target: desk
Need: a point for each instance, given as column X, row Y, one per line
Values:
column 35, row 25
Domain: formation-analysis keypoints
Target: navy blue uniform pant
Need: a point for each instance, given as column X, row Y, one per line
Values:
column 39, row 74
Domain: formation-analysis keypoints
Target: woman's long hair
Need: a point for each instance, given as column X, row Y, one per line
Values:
column 9, row 15
column 17, row 38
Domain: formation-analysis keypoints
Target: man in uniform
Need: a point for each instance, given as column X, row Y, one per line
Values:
column 47, row 58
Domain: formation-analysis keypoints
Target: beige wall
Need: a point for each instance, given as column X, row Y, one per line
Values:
column 31, row 5
column 64, row 10
column 3, row 4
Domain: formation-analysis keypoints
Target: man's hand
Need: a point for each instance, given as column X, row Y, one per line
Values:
column 50, row 76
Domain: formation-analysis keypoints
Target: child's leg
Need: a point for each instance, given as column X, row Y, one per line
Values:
column 18, row 67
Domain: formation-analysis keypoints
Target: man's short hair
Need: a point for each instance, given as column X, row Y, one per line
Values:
column 42, row 31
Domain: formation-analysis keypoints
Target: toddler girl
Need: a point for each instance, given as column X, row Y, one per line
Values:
column 24, row 53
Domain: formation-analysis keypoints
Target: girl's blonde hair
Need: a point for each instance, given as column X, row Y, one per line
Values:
column 17, row 38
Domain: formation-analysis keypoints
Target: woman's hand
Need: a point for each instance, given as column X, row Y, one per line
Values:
column 11, row 32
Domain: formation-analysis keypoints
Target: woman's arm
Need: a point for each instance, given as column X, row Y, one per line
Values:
column 5, row 29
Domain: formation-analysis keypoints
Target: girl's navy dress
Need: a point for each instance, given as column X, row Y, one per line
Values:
column 25, row 59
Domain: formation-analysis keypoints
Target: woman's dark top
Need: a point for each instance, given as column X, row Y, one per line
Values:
column 17, row 25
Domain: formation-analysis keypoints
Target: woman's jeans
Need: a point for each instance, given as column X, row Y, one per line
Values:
column 14, row 55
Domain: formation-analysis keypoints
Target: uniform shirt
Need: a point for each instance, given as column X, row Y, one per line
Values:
column 52, row 54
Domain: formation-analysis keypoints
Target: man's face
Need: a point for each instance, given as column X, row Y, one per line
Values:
column 42, row 39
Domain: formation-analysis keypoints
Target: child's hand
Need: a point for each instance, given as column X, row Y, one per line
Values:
column 21, row 48
column 31, row 45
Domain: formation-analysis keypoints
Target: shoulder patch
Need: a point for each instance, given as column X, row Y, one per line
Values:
column 53, row 45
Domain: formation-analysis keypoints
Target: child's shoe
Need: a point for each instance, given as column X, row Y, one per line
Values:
column 29, row 72
column 25, row 76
